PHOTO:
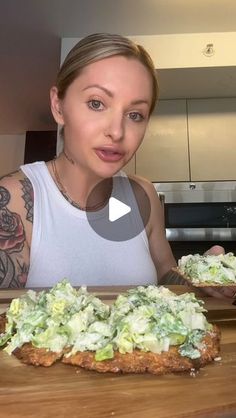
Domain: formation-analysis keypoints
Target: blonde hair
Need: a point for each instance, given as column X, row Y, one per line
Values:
column 98, row 46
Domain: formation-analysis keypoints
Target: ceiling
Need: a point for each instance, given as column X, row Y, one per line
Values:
column 30, row 33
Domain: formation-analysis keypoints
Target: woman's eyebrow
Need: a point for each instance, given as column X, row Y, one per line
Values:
column 110, row 94
column 140, row 101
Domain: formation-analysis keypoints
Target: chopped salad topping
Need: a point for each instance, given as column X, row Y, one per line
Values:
column 209, row 269
column 146, row 318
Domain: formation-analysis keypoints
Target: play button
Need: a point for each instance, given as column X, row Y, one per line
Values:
column 126, row 211
column 117, row 209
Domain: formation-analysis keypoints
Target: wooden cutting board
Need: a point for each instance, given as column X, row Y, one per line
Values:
column 67, row 391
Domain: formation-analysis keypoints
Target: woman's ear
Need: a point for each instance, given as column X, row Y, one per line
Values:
column 56, row 106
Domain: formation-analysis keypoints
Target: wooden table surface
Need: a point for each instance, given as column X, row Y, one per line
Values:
column 68, row 391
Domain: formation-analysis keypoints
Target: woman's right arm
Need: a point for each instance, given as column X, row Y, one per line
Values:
column 16, row 217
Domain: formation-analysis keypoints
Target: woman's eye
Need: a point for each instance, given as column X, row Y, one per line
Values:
column 136, row 116
column 95, row 104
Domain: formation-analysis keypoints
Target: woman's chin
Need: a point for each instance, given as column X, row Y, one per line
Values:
column 109, row 170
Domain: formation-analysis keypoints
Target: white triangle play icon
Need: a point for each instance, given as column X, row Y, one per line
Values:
column 117, row 209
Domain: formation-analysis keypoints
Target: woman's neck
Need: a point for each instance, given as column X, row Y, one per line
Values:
column 81, row 188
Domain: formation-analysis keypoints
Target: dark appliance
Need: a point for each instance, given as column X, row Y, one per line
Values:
column 199, row 215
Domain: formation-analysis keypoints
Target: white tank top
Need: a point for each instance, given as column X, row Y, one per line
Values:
column 65, row 246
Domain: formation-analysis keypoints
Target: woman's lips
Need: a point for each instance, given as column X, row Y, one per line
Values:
column 108, row 155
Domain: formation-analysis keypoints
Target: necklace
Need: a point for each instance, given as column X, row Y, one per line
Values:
column 68, row 198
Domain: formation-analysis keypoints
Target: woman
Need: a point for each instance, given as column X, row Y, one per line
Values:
column 104, row 95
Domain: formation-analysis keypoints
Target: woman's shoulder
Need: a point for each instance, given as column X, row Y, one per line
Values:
column 13, row 189
column 12, row 181
column 141, row 180
column 145, row 184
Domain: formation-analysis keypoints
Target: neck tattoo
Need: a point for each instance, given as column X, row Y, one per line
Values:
column 67, row 196
column 67, row 157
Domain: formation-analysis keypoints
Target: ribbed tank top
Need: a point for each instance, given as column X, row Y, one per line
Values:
column 65, row 246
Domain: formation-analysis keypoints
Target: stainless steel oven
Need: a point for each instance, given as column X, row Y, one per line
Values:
column 199, row 212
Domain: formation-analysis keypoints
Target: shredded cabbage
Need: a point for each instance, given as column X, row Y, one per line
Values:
column 146, row 318
column 209, row 269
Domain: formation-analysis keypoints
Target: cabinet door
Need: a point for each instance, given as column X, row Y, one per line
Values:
column 212, row 139
column 163, row 155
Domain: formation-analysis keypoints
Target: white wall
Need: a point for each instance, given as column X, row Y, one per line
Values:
column 12, row 148
column 181, row 50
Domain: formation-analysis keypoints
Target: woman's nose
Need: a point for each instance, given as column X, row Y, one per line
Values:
column 115, row 127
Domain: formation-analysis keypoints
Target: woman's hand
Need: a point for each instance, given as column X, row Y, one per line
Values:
column 219, row 292
column 222, row 292
column 215, row 250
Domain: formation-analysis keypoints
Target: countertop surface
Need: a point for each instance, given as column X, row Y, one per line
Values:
column 67, row 391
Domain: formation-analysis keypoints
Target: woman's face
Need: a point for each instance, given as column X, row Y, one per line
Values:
column 105, row 113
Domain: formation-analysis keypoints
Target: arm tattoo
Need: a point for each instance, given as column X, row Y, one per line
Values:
column 12, row 234
column 8, row 272
column 9, row 175
column 4, row 197
column 28, row 197
column 12, row 241
column 172, row 277
column 23, row 274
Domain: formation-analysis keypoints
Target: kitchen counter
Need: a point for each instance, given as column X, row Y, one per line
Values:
column 68, row 391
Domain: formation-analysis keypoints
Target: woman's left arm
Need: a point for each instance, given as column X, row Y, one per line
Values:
column 159, row 247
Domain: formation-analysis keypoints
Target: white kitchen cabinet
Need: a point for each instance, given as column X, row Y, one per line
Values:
column 212, row 139
column 163, row 155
